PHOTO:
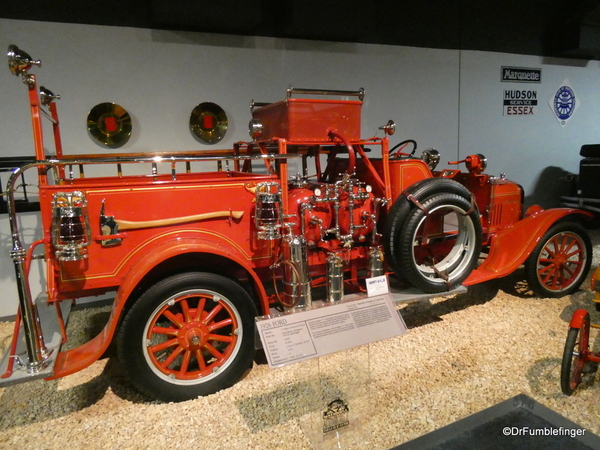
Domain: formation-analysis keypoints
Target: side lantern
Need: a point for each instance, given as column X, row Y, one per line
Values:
column 71, row 232
column 269, row 213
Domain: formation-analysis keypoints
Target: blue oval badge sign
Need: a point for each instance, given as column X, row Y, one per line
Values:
column 564, row 103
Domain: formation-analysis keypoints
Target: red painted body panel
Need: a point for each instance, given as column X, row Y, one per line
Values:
column 505, row 205
column 510, row 247
column 299, row 119
column 500, row 201
column 130, row 200
column 406, row 173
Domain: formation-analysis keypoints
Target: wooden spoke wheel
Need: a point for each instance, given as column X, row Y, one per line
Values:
column 188, row 335
column 560, row 261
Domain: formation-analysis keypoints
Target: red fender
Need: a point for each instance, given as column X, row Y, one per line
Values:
column 510, row 247
column 578, row 319
column 79, row 358
column 171, row 248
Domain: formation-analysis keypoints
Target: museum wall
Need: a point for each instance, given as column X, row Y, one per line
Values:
column 535, row 151
column 447, row 99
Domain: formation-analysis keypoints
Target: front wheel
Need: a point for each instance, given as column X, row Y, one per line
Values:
column 560, row 261
column 574, row 356
column 188, row 335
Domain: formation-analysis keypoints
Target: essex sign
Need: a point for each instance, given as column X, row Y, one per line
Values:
column 519, row 102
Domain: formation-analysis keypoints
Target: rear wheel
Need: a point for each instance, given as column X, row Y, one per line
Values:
column 574, row 356
column 188, row 335
column 560, row 261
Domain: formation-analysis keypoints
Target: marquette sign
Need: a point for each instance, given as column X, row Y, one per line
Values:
column 519, row 102
column 520, row 75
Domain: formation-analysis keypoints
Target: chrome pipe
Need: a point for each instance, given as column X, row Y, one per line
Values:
column 37, row 352
column 292, row 90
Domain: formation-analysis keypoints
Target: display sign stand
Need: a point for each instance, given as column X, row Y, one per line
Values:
column 343, row 402
column 336, row 335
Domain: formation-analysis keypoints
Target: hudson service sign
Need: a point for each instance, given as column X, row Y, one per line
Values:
column 520, row 102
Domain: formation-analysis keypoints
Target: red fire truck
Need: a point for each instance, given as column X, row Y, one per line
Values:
column 205, row 241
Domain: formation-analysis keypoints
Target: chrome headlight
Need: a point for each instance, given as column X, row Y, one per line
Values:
column 431, row 157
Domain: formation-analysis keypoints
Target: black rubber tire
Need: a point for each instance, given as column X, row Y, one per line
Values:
column 402, row 206
column 571, row 369
column 217, row 357
column 448, row 269
column 571, row 273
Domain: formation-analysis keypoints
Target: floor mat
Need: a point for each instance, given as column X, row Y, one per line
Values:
column 519, row 423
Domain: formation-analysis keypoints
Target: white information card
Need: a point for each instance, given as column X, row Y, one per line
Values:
column 302, row 335
column 377, row 285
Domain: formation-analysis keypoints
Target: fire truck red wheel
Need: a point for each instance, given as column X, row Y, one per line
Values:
column 188, row 335
column 560, row 261
column 574, row 356
column 437, row 245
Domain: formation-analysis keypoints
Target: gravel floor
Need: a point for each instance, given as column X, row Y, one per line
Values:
column 460, row 356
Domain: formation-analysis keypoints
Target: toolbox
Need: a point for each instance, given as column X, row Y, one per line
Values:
column 300, row 119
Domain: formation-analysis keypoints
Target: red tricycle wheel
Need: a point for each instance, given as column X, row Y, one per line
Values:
column 575, row 355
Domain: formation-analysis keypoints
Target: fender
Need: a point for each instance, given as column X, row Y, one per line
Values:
column 79, row 358
column 167, row 249
column 510, row 247
column 579, row 318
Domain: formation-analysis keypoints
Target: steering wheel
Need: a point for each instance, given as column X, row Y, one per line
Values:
column 400, row 146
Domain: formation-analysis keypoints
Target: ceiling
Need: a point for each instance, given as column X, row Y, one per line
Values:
column 533, row 27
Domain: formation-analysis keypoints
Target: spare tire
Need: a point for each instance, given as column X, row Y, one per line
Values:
column 433, row 235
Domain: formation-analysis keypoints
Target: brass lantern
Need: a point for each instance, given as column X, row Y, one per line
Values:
column 71, row 232
column 269, row 213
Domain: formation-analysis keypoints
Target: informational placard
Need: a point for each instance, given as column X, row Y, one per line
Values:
column 294, row 337
column 377, row 285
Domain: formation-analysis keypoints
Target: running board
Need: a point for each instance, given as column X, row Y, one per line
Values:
column 402, row 294
column 13, row 367
column 410, row 295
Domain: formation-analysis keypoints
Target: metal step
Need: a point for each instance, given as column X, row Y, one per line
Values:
column 412, row 294
column 403, row 294
column 52, row 337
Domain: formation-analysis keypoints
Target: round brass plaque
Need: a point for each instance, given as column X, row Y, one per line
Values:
column 208, row 123
column 109, row 124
